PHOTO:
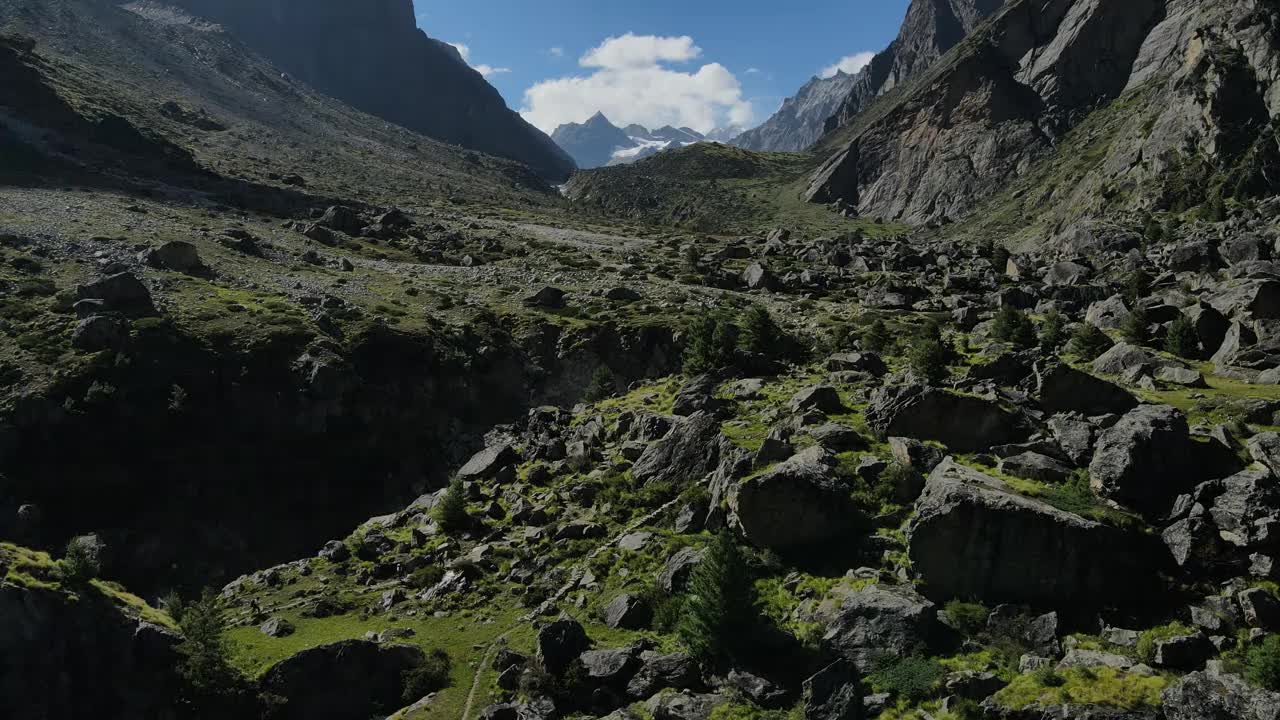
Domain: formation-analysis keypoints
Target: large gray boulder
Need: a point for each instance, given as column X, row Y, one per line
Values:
column 882, row 619
column 673, row 671
column 1216, row 695
column 1124, row 358
column 1145, row 460
column 486, row 464
column 179, row 256
column 961, row 422
column 974, row 537
column 799, row 502
column 1061, row 388
column 122, row 293
column 833, row 693
column 353, row 678
column 690, row 451
column 560, row 643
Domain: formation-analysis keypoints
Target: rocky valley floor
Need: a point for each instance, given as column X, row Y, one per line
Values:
column 305, row 416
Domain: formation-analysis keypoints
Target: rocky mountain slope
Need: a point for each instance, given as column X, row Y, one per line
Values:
column 599, row 143
column 372, row 56
column 1172, row 104
column 382, row 427
column 930, row 29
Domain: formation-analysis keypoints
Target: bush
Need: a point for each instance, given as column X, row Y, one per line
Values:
column 928, row 359
column 204, row 650
column 428, row 677
column 711, row 341
column 966, row 617
column 1137, row 285
column 1053, row 330
column 82, row 561
column 760, row 334
column 1135, row 326
column 1182, row 339
column 912, row 677
column 1048, row 677
column 1263, row 665
column 427, row 576
column 451, row 513
column 1011, row 325
column 876, row 337
column 1088, row 342
column 720, row 607
column 603, row 385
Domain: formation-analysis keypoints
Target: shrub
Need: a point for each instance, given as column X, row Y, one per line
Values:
column 427, row 576
column 1134, row 327
column 712, row 339
column 1182, row 339
column 876, row 337
column 451, row 513
column 1263, row 665
column 431, row 675
column 720, row 608
column 82, row 561
column 928, row 359
column 760, row 334
column 1088, row 342
column 967, row 617
column 603, row 385
column 912, row 677
column 1053, row 330
column 1011, row 325
column 1137, row 285
column 1048, row 677
column 204, row 664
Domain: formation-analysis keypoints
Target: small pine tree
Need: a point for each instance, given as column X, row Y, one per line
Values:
column 451, row 512
column 1135, row 326
column 711, row 341
column 603, row 385
column 1182, row 339
column 1216, row 210
column 928, row 359
column 691, row 257
column 82, row 561
column 1011, row 325
column 760, row 334
column 720, row 608
column 1263, row 665
column 876, row 337
column 1088, row 342
column 210, row 678
column 1137, row 285
column 1053, row 330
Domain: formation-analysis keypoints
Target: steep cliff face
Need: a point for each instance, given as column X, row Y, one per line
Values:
column 931, row 28
column 372, row 56
column 1172, row 99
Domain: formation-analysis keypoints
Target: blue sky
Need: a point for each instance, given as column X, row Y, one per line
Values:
column 705, row 64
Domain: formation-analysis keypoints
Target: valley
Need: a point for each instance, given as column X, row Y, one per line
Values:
column 967, row 405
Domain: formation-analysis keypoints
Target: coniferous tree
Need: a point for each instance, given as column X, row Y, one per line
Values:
column 1088, row 342
column 1053, row 330
column 1134, row 327
column 451, row 512
column 760, row 334
column 1011, row 325
column 603, row 385
column 876, row 337
column 711, row 341
column 213, row 687
column 1182, row 339
column 720, row 608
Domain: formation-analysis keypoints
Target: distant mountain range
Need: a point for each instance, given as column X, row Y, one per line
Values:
column 599, row 143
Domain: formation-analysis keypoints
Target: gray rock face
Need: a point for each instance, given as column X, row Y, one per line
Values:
column 486, row 464
column 1215, row 695
column 682, row 706
column 799, row 502
column 353, row 678
column 178, row 256
column 675, row 671
column 1145, row 460
column 974, row 537
column 881, row 619
column 373, row 57
column 592, row 144
column 833, row 693
column 689, row 452
column 560, row 643
column 799, row 122
column 1062, row 388
column 961, row 422
column 629, row 612
column 674, row 575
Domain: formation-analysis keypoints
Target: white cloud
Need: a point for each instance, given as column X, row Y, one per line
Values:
column 849, row 64
column 630, row 84
column 752, row 71
column 639, row 51
column 484, row 69
column 556, row 51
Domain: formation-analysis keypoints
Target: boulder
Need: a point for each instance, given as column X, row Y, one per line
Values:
column 674, row 576
column 343, row 219
column 822, row 398
column 1264, row 448
column 486, row 464
column 1107, row 314
column 1216, row 695
column 100, row 332
column 122, row 293
column 622, row 295
column 761, row 691
column 277, row 628
column 1249, row 300
column 1034, row 466
column 697, row 395
column 916, row 455
column 882, row 619
column 866, row 362
column 549, row 298
column 628, row 612
column 690, row 451
column 683, row 706
column 758, row 277
column 1123, row 359
column 1145, row 460
column 798, row 502
column 974, row 537
column 1184, row 652
column 611, row 668
column 674, row 671
column 1211, row 325
column 1061, row 388
column 178, row 256
column 833, row 693
column 353, row 678
column 560, row 643
column 838, row 438
column 961, row 422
